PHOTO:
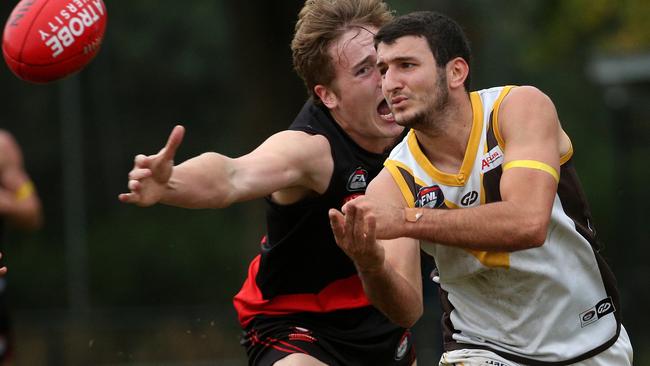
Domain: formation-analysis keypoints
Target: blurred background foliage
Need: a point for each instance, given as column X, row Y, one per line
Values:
column 108, row 284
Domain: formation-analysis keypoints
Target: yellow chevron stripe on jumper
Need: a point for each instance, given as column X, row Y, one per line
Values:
column 393, row 169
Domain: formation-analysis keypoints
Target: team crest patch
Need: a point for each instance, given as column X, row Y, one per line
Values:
column 403, row 346
column 358, row 180
column 430, row 197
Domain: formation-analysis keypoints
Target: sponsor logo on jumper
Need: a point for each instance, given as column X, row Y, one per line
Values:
column 602, row 308
column 358, row 180
column 469, row 198
column 492, row 159
column 430, row 197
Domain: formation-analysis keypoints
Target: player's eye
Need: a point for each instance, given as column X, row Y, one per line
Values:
column 362, row 71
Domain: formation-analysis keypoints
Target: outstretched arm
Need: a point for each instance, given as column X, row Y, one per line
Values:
column 19, row 202
column 389, row 269
column 289, row 163
column 149, row 178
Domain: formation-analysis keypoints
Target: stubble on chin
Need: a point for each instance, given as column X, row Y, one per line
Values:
column 415, row 120
column 427, row 118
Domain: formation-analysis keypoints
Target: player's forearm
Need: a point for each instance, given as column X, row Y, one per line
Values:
column 201, row 182
column 499, row 226
column 393, row 295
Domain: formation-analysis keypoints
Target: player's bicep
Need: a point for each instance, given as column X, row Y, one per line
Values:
column 530, row 127
column 531, row 131
column 286, row 160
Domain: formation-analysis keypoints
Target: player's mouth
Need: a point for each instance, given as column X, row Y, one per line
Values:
column 384, row 111
column 398, row 101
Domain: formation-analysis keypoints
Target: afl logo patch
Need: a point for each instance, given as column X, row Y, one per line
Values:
column 430, row 197
column 358, row 180
column 403, row 346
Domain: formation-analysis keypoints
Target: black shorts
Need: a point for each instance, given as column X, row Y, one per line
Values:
column 343, row 338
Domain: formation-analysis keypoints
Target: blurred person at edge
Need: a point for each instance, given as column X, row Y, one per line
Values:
column 20, row 208
column 303, row 302
column 485, row 183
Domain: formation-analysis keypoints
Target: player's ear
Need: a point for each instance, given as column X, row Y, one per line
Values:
column 327, row 96
column 457, row 72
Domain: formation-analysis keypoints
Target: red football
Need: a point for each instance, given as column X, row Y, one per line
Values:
column 46, row 40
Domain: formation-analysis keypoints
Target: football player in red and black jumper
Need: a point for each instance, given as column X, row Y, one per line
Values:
column 303, row 302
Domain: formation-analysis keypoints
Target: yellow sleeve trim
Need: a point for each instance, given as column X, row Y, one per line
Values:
column 532, row 164
column 25, row 190
column 495, row 120
column 564, row 158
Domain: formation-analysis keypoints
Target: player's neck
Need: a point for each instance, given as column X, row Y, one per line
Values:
column 376, row 145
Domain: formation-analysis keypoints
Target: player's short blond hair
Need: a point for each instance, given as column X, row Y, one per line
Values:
column 321, row 23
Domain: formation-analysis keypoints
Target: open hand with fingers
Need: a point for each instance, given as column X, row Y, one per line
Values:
column 354, row 230
column 387, row 220
column 148, row 180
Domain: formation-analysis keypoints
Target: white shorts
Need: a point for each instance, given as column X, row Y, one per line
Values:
column 619, row 354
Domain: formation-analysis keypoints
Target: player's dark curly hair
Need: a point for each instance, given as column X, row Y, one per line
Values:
column 320, row 24
column 445, row 37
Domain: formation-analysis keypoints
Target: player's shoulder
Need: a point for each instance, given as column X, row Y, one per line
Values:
column 524, row 102
column 527, row 108
column 526, row 94
column 300, row 144
column 302, row 139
